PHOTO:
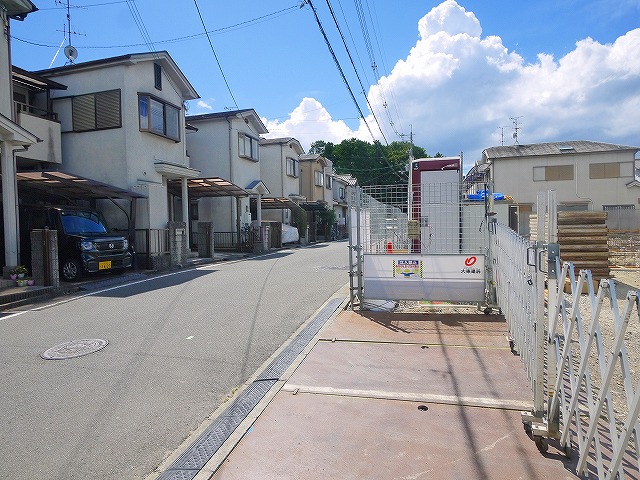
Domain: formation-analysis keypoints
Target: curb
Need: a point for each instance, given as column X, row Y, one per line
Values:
column 180, row 464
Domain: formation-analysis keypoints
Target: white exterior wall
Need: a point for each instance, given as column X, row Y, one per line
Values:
column 273, row 171
column 273, row 167
column 50, row 149
column 340, row 203
column 213, row 150
column 120, row 156
column 208, row 148
column 123, row 157
column 514, row 176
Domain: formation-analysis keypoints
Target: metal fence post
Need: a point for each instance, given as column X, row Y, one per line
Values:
column 358, row 246
column 538, row 382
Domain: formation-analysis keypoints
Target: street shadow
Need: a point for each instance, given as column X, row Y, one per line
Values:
column 318, row 245
column 126, row 290
column 271, row 256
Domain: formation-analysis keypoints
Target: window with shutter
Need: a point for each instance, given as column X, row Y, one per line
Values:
column 96, row 111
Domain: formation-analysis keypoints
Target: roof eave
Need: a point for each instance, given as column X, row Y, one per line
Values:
column 19, row 9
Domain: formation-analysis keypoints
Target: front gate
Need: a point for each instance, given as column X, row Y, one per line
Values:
column 428, row 242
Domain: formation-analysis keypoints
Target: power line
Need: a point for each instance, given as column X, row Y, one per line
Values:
column 339, row 67
column 335, row 20
column 171, row 40
column 216, row 55
column 374, row 66
column 84, row 6
column 135, row 13
column 346, row 82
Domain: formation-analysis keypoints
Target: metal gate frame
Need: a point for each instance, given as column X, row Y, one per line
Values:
column 381, row 229
column 586, row 388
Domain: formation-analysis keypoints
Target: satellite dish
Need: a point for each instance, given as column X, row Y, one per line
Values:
column 71, row 52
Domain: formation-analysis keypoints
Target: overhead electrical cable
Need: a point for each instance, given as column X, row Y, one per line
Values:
column 362, row 18
column 83, row 6
column 137, row 18
column 353, row 42
column 384, row 68
column 346, row 82
column 177, row 39
column 339, row 67
column 224, row 77
column 346, row 47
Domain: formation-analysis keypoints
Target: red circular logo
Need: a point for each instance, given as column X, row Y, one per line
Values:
column 470, row 261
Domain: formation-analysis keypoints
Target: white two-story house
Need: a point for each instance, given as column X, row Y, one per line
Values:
column 227, row 145
column 122, row 123
column 280, row 169
column 586, row 175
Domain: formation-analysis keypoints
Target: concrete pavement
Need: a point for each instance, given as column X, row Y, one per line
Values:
column 395, row 395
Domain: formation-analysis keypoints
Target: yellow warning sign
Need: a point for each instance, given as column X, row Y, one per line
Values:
column 407, row 268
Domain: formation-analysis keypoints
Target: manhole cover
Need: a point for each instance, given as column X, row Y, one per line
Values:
column 76, row 348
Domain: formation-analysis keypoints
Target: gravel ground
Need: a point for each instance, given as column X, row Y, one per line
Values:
column 626, row 280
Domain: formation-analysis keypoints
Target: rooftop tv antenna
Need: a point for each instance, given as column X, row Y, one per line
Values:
column 70, row 51
column 516, row 128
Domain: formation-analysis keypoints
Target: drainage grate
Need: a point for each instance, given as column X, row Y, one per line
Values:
column 280, row 364
column 187, row 466
column 76, row 348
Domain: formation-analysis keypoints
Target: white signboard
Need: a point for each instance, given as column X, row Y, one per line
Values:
column 442, row 277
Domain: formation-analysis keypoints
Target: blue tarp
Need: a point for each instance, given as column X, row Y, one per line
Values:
column 482, row 194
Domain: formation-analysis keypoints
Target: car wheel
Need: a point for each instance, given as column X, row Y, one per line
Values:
column 71, row 270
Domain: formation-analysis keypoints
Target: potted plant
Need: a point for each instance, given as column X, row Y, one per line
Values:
column 21, row 271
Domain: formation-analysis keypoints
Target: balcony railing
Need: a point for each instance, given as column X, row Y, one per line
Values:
column 20, row 107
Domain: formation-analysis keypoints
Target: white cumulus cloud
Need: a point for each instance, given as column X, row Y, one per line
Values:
column 204, row 105
column 309, row 122
column 456, row 87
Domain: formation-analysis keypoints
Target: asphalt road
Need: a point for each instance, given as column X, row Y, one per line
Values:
column 178, row 346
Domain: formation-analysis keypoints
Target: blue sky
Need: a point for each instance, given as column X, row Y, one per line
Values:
column 452, row 72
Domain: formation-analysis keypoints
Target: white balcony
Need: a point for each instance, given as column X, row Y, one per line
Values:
column 49, row 149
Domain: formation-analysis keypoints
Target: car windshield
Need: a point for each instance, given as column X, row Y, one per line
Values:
column 82, row 222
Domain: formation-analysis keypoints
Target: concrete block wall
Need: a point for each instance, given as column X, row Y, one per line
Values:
column 44, row 258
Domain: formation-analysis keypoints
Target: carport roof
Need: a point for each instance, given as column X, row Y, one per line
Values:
column 274, row 203
column 62, row 184
column 313, row 206
column 207, row 187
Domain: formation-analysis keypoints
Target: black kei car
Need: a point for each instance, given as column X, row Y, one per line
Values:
column 85, row 244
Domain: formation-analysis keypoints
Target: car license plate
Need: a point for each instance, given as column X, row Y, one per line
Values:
column 104, row 265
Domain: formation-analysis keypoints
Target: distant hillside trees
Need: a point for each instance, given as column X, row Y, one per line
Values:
column 370, row 163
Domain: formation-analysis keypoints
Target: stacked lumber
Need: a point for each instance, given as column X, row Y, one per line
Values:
column 533, row 227
column 583, row 239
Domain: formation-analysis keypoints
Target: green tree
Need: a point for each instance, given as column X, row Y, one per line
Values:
column 370, row 163
column 320, row 147
column 327, row 216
